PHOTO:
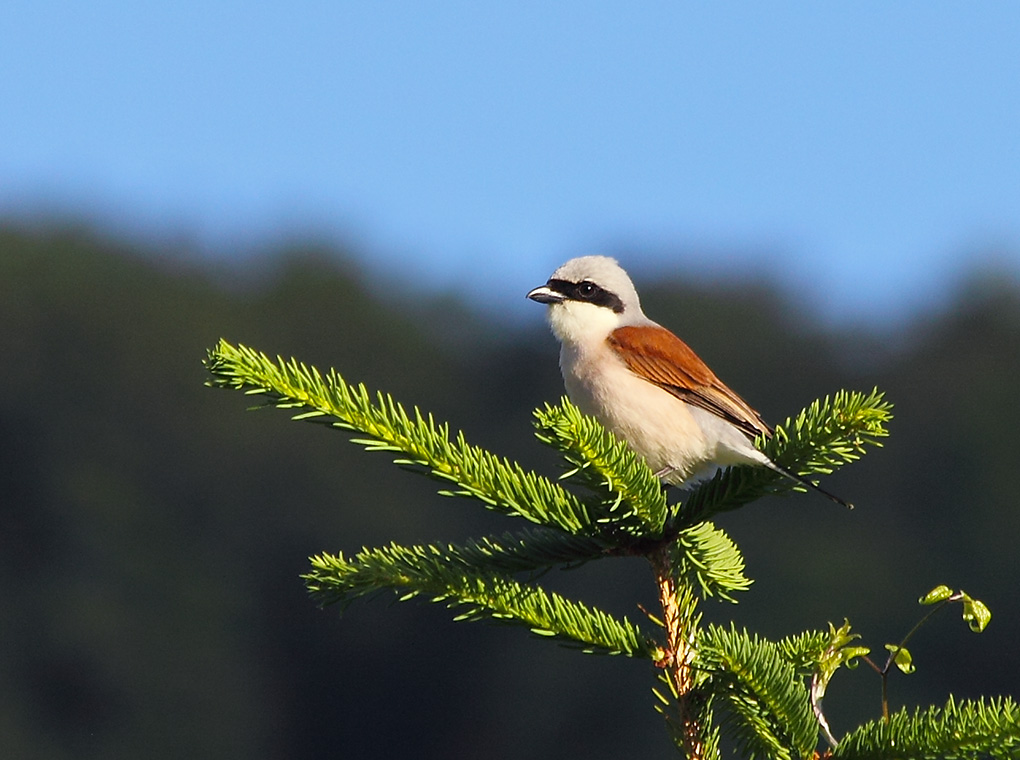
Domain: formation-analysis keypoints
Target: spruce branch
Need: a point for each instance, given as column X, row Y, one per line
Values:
column 804, row 650
column 629, row 489
column 424, row 444
column 687, row 709
column 964, row 730
column 827, row 434
column 819, row 654
column 830, row 432
column 695, row 711
column 756, row 685
column 533, row 550
column 837, row 652
column 768, row 708
column 445, row 574
column 707, row 557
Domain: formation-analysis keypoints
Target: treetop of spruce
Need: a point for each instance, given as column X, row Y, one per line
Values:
column 715, row 681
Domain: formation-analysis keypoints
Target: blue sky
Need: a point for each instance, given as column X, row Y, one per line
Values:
column 862, row 154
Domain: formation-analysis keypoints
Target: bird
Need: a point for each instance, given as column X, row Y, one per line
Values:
column 644, row 384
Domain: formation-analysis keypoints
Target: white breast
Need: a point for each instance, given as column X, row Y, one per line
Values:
column 671, row 435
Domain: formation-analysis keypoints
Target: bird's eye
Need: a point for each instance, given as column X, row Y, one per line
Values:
column 587, row 290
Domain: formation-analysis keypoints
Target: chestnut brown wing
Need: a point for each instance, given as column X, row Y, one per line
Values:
column 660, row 357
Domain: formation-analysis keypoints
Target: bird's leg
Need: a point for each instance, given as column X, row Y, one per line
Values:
column 667, row 470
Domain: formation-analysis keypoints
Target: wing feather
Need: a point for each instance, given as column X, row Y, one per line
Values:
column 657, row 355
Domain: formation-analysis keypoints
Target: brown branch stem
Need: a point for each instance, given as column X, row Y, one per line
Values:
column 680, row 651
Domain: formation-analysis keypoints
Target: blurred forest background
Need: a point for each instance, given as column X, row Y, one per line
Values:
column 153, row 531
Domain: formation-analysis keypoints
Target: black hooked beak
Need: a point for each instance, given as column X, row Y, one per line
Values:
column 545, row 294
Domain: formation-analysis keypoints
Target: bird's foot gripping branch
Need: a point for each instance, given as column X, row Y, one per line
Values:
column 714, row 681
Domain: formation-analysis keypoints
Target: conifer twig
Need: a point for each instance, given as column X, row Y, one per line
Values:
column 755, row 686
column 423, row 444
column 679, row 620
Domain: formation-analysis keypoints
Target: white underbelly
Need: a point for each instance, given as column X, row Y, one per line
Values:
column 685, row 442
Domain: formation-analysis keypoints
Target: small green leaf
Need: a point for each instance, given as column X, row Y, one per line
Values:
column 839, row 652
column 902, row 658
column 851, row 655
column 936, row 595
column 976, row 613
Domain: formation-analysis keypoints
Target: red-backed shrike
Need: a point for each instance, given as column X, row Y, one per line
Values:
column 645, row 384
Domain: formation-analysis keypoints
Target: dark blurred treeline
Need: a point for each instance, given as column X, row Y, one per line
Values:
column 153, row 531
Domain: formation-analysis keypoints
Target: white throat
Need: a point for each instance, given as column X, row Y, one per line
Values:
column 582, row 324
